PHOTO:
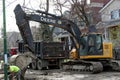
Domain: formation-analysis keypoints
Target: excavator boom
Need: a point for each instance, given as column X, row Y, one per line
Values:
column 22, row 20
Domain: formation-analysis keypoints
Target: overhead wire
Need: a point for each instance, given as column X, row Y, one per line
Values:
column 10, row 3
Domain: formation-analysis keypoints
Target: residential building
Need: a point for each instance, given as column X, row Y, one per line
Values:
column 110, row 15
column 12, row 38
column 93, row 9
column 92, row 13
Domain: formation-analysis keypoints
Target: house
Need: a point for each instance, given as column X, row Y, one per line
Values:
column 12, row 38
column 94, row 7
column 92, row 13
column 110, row 15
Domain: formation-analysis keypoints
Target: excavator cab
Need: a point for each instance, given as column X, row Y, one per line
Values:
column 94, row 42
column 93, row 45
column 96, row 48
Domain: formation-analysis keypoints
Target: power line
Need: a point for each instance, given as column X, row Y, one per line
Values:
column 11, row 3
column 7, row 6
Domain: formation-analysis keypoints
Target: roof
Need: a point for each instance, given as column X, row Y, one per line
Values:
column 106, row 5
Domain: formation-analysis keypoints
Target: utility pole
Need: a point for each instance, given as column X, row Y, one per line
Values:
column 5, row 42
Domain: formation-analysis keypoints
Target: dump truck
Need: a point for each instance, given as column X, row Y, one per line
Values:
column 48, row 54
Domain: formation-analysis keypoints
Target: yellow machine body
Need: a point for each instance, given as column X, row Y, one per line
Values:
column 107, row 53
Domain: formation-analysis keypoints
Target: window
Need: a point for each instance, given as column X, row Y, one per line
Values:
column 98, row 41
column 115, row 14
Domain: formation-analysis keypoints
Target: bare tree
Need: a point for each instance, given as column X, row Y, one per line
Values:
column 60, row 5
column 47, row 6
column 77, row 7
column 46, row 30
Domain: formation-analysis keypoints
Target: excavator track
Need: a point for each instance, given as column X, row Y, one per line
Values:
column 83, row 66
column 115, row 65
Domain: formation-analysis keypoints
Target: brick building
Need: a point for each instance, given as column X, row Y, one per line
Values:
column 91, row 10
column 94, row 7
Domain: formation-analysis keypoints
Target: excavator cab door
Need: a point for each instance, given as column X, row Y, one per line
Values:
column 94, row 42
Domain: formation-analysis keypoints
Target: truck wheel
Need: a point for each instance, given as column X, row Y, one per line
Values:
column 39, row 65
column 33, row 65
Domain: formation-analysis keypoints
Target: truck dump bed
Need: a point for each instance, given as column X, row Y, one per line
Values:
column 47, row 50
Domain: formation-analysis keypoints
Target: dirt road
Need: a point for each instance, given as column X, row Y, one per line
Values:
column 70, row 75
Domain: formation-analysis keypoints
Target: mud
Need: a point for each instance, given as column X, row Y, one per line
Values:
column 70, row 75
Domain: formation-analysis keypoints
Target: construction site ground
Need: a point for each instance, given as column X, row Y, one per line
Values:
column 56, row 74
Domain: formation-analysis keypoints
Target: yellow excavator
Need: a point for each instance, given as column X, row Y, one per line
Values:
column 94, row 57
column 91, row 53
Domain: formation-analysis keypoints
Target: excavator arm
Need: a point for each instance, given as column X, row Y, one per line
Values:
column 24, row 27
column 22, row 20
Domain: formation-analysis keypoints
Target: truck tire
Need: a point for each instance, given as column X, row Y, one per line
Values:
column 34, row 65
column 39, row 65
